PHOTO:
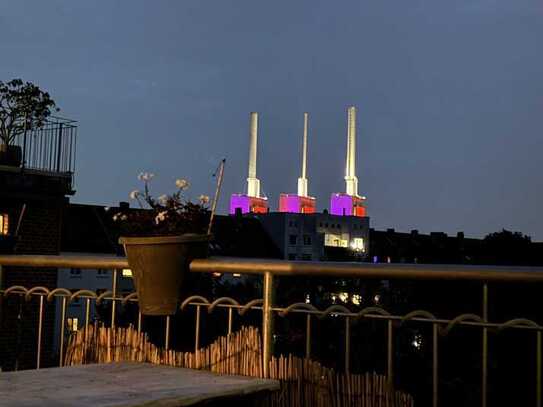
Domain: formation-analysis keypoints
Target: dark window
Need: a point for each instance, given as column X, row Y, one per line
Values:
column 102, row 273
column 306, row 257
column 75, row 273
column 292, row 239
column 292, row 256
column 307, row 240
column 326, row 224
column 290, row 223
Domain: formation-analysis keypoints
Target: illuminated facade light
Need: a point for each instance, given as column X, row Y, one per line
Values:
column 236, row 275
column 127, row 273
column 307, row 299
column 347, row 205
column 247, row 204
column 377, row 298
column 356, row 299
column 296, row 204
column 343, row 297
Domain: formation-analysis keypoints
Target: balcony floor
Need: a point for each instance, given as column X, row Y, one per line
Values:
column 123, row 384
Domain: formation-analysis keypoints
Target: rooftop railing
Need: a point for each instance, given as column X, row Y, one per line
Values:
column 50, row 148
column 272, row 269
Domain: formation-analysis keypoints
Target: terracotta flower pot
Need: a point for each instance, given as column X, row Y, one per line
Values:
column 159, row 265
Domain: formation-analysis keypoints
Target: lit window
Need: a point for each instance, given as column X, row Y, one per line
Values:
column 127, row 273
column 4, row 223
column 335, row 240
column 236, row 275
column 357, row 244
column 73, row 324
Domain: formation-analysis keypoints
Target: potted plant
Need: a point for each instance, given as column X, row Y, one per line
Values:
column 23, row 106
column 160, row 240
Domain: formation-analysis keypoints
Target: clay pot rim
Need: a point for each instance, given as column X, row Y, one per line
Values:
column 185, row 238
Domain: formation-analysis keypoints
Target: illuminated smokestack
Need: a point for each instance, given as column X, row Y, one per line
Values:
column 351, row 182
column 253, row 183
column 302, row 181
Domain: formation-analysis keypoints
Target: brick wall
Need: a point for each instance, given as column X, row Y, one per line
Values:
column 39, row 233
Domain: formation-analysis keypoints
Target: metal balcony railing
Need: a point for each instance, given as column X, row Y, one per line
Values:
column 50, row 148
column 271, row 269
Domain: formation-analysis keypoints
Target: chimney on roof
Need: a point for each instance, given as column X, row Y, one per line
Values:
column 302, row 181
column 351, row 182
column 253, row 183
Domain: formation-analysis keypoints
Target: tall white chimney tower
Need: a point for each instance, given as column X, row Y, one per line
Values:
column 302, row 181
column 253, row 183
column 351, row 182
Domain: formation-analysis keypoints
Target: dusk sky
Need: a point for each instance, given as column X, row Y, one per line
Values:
column 449, row 97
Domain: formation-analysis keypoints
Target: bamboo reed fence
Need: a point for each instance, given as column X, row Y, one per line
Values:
column 303, row 382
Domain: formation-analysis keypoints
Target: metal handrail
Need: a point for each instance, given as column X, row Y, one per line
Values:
column 269, row 269
column 483, row 273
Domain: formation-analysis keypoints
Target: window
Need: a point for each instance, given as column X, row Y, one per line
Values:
column 73, row 324
column 292, row 239
column 101, row 273
column 127, row 273
column 4, row 223
column 292, row 256
column 307, row 240
column 358, row 244
column 306, row 257
column 75, row 273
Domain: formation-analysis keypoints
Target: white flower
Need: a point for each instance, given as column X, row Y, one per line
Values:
column 160, row 217
column 163, row 199
column 115, row 217
column 145, row 176
column 203, row 199
column 123, row 217
column 134, row 194
column 182, row 183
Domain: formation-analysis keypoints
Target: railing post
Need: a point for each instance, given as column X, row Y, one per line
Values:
column 435, row 376
column 40, row 325
column 484, row 373
column 308, row 336
column 197, row 330
column 390, row 356
column 347, row 344
column 229, row 321
column 59, row 147
column 167, row 339
column 538, row 370
column 62, row 327
column 267, row 323
column 113, row 302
